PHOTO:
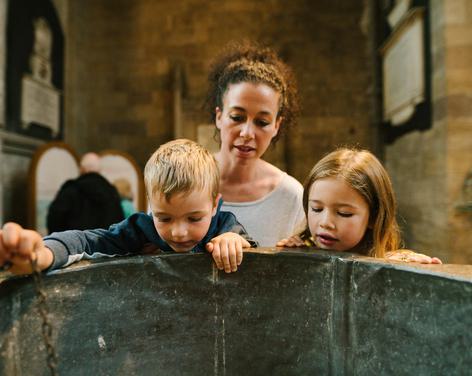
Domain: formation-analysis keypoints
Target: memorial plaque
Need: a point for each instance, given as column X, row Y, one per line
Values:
column 403, row 70
column 40, row 104
column 34, row 70
column 406, row 68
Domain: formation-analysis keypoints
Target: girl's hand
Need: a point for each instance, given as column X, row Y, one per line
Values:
column 405, row 255
column 293, row 241
column 19, row 246
column 227, row 250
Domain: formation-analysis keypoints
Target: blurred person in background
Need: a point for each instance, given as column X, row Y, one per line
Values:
column 89, row 201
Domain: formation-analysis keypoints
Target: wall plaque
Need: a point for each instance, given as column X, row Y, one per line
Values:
column 35, row 45
column 40, row 104
column 406, row 68
column 403, row 70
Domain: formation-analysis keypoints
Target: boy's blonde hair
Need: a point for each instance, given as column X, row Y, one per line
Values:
column 181, row 166
column 363, row 172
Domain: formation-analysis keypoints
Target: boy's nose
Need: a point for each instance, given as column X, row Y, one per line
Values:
column 179, row 230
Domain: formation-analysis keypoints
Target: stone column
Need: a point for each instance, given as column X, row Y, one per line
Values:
column 458, row 70
column 429, row 168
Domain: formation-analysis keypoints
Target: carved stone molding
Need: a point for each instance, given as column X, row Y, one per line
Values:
column 13, row 143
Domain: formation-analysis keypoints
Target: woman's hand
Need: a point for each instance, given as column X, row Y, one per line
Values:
column 227, row 250
column 405, row 255
column 293, row 241
column 19, row 246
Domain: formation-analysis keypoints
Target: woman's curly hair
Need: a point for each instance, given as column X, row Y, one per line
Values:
column 249, row 62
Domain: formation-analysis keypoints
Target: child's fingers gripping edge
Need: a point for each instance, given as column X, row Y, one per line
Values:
column 225, row 256
column 11, row 236
column 281, row 242
column 245, row 243
column 4, row 253
column 209, row 247
column 239, row 254
column 216, row 254
column 29, row 242
column 232, row 254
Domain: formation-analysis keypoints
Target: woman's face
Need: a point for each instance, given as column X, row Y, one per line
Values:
column 248, row 120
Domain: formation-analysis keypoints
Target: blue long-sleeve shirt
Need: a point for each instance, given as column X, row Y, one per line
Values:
column 128, row 237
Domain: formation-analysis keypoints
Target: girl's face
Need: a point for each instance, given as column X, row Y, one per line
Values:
column 248, row 120
column 338, row 216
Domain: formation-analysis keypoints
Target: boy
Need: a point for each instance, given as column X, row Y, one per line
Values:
column 182, row 186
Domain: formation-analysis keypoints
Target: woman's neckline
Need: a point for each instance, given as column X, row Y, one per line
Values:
column 259, row 200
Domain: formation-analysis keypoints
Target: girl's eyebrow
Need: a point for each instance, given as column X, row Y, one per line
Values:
column 342, row 204
column 338, row 204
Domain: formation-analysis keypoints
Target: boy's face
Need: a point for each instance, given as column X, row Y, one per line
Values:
column 184, row 220
column 338, row 215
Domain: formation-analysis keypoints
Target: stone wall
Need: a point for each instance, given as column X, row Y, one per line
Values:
column 122, row 56
column 458, row 38
column 429, row 168
column 121, row 59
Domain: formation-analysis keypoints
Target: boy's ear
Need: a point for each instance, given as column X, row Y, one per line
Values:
column 215, row 204
column 218, row 114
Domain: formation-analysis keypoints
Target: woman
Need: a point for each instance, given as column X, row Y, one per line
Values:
column 252, row 99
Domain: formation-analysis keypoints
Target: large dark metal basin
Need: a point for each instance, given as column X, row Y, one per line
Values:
column 282, row 313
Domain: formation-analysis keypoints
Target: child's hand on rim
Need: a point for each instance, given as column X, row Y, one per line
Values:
column 293, row 241
column 405, row 255
column 19, row 246
column 227, row 251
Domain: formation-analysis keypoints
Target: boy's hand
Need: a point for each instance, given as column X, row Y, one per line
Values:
column 19, row 246
column 227, row 250
column 406, row 255
column 293, row 241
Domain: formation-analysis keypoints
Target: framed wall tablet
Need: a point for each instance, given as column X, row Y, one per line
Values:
column 34, row 70
column 405, row 55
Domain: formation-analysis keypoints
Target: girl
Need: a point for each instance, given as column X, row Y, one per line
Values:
column 350, row 206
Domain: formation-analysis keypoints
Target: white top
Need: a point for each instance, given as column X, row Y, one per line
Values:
column 276, row 216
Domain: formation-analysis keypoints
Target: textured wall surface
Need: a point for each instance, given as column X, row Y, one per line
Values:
column 429, row 168
column 122, row 56
column 283, row 313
